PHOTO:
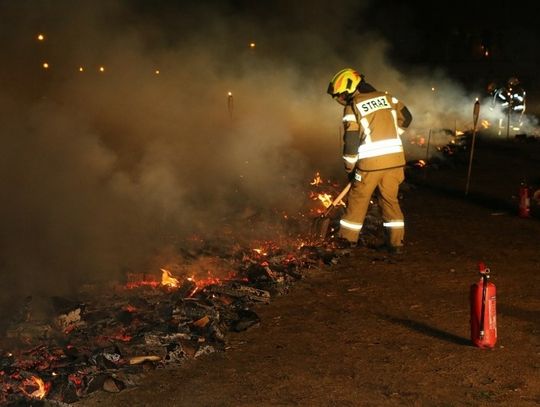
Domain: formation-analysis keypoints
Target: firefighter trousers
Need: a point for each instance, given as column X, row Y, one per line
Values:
column 365, row 183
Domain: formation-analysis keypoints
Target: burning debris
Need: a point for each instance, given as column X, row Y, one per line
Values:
column 109, row 336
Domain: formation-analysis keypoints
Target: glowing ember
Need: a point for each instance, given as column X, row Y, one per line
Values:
column 262, row 252
column 201, row 283
column 129, row 308
column 121, row 337
column 75, row 379
column 34, row 382
column 136, row 284
column 168, row 280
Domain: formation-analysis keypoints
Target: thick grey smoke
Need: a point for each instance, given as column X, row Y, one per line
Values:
column 102, row 170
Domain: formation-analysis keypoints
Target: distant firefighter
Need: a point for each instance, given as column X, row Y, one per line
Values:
column 517, row 96
column 510, row 100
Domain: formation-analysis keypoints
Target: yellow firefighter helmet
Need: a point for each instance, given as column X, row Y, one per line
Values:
column 345, row 81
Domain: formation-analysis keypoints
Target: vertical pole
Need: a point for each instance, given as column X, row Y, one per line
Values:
column 427, row 148
column 427, row 153
column 476, row 112
column 230, row 104
column 508, row 122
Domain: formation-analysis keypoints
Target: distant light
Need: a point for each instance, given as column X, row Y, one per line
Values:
column 433, row 88
column 101, row 69
column 81, row 69
column 229, row 93
column 45, row 65
column 156, row 71
column 41, row 37
column 252, row 45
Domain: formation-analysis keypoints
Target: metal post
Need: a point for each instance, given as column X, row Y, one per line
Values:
column 230, row 104
column 476, row 112
column 508, row 123
column 427, row 154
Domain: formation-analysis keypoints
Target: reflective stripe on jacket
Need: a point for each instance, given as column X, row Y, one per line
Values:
column 381, row 120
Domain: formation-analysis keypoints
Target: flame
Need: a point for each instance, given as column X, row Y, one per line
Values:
column 326, row 199
column 317, row 180
column 485, row 124
column 168, row 280
column 34, row 382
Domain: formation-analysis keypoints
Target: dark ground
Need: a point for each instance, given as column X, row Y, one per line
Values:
column 377, row 330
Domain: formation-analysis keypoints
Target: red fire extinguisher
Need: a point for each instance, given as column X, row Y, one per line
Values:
column 483, row 310
column 524, row 201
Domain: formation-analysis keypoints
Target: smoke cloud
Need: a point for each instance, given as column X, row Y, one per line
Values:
column 103, row 170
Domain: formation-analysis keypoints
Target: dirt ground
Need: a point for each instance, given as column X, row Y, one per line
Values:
column 376, row 329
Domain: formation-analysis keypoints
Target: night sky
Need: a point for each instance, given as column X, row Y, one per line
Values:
column 452, row 36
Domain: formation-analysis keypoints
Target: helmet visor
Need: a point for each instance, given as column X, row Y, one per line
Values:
column 331, row 91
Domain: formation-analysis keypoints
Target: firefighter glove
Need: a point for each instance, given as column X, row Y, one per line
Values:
column 349, row 167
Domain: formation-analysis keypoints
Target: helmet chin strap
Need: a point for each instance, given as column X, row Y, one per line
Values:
column 345, row 98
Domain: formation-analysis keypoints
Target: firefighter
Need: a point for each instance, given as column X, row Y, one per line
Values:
column 511, row 101
column 516, row 99
column 372, row 154
column 499, row 104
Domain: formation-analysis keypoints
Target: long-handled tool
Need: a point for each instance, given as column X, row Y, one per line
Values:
column 319, row 228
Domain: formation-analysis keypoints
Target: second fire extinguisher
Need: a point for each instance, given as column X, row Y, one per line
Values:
column 483, row 311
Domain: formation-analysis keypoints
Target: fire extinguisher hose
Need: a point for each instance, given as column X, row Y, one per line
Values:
column 485, row 278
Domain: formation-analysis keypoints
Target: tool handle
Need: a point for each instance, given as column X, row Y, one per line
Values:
column 338, row 198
